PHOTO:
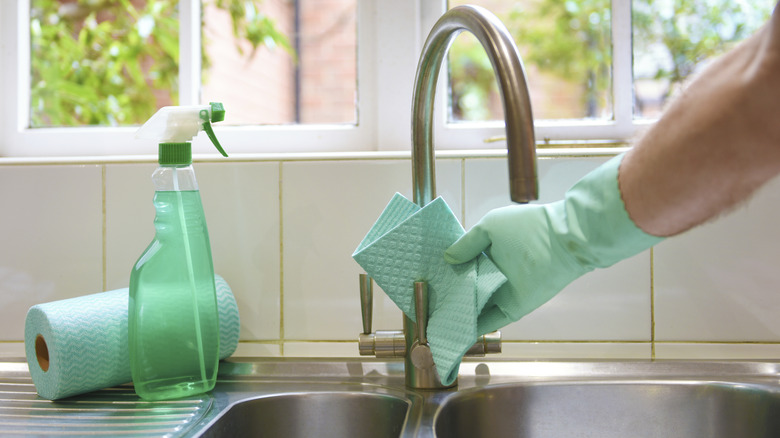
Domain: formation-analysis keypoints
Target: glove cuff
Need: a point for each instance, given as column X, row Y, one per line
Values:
column 598, row 228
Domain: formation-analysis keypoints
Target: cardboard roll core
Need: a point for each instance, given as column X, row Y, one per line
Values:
column 42, row 352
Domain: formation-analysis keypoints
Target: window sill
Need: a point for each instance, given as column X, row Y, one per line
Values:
column 554, row 150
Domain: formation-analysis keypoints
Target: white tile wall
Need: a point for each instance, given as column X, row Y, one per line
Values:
column 705, row 351
column 257, row 349
column 577, row 350
column 51, row 247
column 327, row 209
column 610, row 304
column 283, row 232
column 129, row 219
column 241, row 201
column 719, row 282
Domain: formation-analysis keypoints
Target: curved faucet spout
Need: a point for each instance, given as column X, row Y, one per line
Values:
column 504, row 57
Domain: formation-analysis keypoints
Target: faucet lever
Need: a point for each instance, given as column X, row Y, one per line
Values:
column 420, row 354
column 366, row 301
column 489, row 343
column 421, row 310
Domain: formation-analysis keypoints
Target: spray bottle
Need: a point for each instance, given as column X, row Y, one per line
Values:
column 173, row 326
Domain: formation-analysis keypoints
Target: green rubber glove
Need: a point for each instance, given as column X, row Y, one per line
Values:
column 541, row 248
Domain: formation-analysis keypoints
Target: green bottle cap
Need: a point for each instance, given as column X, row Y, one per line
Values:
column 175, row 154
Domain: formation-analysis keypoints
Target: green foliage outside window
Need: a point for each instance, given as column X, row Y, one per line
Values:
column 694, row 31
column 571, row 40
column 114, row 62
column 108, row 62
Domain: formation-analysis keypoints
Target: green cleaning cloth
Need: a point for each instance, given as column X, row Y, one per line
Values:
column 406, row 245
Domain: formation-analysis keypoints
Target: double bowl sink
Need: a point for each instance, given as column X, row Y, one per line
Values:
column 367, row 398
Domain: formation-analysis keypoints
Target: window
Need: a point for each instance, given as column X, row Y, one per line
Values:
column 674, row 40
column 302, row 71
column 89, row 73
column 336, row 75
column 597, row 69
column 566, row 49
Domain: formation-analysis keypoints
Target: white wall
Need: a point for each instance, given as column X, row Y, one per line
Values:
column 283, row 231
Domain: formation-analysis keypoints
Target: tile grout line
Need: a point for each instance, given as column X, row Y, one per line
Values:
column 104, row 222
column 574, row 341
column 652, row 303
column 463, row 192
column 281, row 265
column 721, row 342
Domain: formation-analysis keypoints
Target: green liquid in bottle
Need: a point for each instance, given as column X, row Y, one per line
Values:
column 173, row 318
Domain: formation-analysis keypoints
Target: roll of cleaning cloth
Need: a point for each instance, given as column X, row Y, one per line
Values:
column 406, row 245
column 79, row 345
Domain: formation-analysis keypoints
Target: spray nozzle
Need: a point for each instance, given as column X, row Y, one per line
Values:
column 217, row 115
column 176, row 125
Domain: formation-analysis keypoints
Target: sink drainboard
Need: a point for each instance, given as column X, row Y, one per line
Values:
column 109, row 412
column 293, row 398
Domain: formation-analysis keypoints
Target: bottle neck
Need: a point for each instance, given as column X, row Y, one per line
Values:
column 174, row 178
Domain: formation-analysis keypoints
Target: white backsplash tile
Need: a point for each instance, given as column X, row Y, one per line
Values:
column 129, row 219
column 714, row 287
column 328, row 207
column 487, row 182
column 719, row 282
column 50, row 238
column 321, row 349
column 576, row 350
column 257, row 349
column 705, row 351
column 606, row 304
column 610, row 304
column 241, row 203
column 12, row 349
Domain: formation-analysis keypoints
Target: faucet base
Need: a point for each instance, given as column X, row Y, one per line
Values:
column 420, row 369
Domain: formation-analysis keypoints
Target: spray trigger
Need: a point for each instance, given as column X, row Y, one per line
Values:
column 217, row 115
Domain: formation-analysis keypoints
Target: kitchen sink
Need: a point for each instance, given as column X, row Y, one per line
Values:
column 310, row 414
column 288, row 397
column 613, row 409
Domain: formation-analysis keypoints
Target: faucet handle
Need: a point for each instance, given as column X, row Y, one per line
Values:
column 366, row 301
column 421, row 310
column 420, row 352
column 489, row 343
column 383, row 343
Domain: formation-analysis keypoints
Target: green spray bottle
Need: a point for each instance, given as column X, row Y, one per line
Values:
column 173, row 320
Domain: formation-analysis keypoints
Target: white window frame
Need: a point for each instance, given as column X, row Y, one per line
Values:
column 390, row 35
column 597, row 133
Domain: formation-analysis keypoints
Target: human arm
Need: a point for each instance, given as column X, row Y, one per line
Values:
column 715, row 145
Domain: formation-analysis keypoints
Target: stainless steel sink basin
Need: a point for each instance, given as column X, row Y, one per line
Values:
column 313, row 414
column 367, row 397
column 613, row 409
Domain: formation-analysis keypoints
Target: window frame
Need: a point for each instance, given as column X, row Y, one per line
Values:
column 390, row 35
column 563, row 133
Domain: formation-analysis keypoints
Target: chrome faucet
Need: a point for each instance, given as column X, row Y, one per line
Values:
column 411, row 343
column 504, row 57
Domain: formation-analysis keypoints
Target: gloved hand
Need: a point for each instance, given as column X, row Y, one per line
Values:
column 541, row 248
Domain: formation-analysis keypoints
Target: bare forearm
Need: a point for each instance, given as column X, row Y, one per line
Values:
column 715, row 145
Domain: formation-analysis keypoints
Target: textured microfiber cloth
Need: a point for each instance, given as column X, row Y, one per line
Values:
column 407, row 244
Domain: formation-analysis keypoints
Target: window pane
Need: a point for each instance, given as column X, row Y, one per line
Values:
column 567, row 53
column 102, row 63
column 674, row 39
column 301, row 69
